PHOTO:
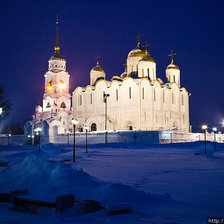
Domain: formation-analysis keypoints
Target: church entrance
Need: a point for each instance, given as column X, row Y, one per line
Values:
column 93, row 127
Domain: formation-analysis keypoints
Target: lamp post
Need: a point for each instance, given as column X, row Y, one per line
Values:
column 105, row 96
column 86, row 128
column 38, row 130
column 135, row 135
column 8, row 138
column 74, row 122
column 205, row 127
column 214, row 130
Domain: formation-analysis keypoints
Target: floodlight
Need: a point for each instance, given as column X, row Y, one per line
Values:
column 75, row 121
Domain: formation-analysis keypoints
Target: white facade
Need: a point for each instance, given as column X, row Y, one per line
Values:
column 55, row 113
column 137, row 99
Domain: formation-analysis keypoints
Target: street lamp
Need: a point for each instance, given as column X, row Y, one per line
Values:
column 105, row 96
column 214, row 129
column 86, row 128
column 74, row 122
column 1, row 110
column 135, row 135
column 205, row 127
column 38, row 130
column 8, row 138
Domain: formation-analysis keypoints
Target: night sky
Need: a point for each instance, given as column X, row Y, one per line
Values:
column 193, row 29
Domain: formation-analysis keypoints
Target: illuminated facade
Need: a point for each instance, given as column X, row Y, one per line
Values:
column 137, row 98
column 55, row 114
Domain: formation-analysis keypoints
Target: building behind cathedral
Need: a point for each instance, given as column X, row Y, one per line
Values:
column 137, row 99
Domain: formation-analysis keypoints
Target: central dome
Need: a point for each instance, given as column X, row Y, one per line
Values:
column 98, row 68
column 137, row 52
column 147, row 57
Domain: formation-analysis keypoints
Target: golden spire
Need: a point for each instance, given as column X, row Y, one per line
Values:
column 97, row 58
column 139, row 36
column 171, row 55
column 57, row 48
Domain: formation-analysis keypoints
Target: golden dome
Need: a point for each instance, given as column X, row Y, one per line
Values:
column 98, row 68
column 172, row 66
column 147, row 57
column 137, row 52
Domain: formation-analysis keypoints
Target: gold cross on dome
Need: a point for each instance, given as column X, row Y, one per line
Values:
column 146, row 45
column 139, row 36
column 171, row 55
column 97, row 58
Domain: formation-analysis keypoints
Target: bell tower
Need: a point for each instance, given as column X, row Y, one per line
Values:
column 56, row 96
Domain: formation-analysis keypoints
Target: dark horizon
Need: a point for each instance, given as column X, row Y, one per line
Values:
column 193, row 29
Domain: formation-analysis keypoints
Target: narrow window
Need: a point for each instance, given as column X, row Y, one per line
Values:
column 148, row 72
column 129, row 92
column 80, row 100
column 142, row 72
column 143, row 94
column 163, row 96
column 173, row 99
column 174, row 78
column 165, row 118
column 182, row 99
column 91, row 98
column 154, row 95
column 117, row 94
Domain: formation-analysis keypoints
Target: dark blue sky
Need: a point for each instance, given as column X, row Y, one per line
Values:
column 193, row 29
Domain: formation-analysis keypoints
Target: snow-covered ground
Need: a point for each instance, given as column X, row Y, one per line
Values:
column 162, row 183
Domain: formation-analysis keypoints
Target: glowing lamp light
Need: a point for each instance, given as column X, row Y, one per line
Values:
column 49, row 87
column 62, row 85
column 214, row 129
column 134, row 128
column 1, row 110
column 75, row 121
column 204, row 127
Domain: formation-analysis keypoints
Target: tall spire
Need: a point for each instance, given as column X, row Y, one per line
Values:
column 97, row 58
column 171, row 55
column 57, row 48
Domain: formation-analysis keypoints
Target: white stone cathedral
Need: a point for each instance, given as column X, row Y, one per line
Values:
column 136, row 99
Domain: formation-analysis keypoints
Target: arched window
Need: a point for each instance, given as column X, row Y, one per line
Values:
column 93, row 127
column 63, row 105
column 48, row 105
column 49, row 86
column 62, row 84
column 130, row 128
